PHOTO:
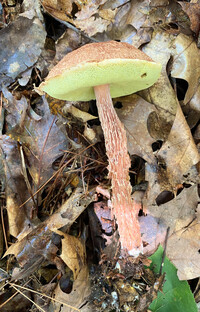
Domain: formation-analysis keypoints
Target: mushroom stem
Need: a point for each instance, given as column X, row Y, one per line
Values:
column 119, row 164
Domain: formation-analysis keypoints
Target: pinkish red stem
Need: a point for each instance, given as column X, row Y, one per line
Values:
column 119, row 164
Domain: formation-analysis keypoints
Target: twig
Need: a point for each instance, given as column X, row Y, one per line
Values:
column 24, row 172
column 164, row 251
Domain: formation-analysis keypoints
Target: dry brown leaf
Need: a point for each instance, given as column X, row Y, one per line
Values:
column 175, row 160
column 70, row 210
column 108, row 14
column 179, row 212
column 192, row 109
column 69, row 108
column 119, row 29
column 195, row 100
column 73, row 252
column 78, row 296
column 134, row 115
column 138, row 13
column 183, row 251
column 157, row 3
column 143, row 35
column 38, row 245
column 179, row 152
column 161, row 94
column 186, row 58
column 89, row 9
column 92, row 25
column 90, row 18
column 91, row 135
column 193, row 11
column 25, row 40
column 180, row 215
column 16, row 188
column 41, row 138
column 60, row 9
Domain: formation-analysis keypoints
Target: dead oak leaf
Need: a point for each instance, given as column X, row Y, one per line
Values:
column 60, row 9
column 86, row 18
column 138, row 13
column 180, row 215
column 186, row 239
column 44, row 145
column 161, row 94
column 24, row 42
column 175, row 160
column 73, row 252
column 179, row 152
column 92, row 25
column 186, row 58
column 38, row 245
column 77, row 300
column 134, row 115
column 19, row 218
column 41, row 138
column 193, row 11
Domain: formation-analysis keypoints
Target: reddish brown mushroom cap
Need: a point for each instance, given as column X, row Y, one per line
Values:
column 122, row 66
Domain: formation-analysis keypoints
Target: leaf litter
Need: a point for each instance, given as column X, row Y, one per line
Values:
column 53, row 159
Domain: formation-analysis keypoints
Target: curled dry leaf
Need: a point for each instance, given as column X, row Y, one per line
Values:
column 184, row 53
column 70, row 210
column 91, row 18
column 39, row 245
column 193, row 11
column 59, row 9
column 91, row 135
column 194, row 102
column 186, row 57
column 77, row 113
column 192, row 109
column 73, row 252
column 16, row 189
column 138, row 14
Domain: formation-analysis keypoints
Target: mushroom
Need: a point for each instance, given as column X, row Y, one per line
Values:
column 106, row 70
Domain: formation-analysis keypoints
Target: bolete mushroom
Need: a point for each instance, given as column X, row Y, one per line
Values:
column 103, row 71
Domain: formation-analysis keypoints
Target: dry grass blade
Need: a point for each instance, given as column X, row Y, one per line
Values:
column 15, row 287
column 3, row 227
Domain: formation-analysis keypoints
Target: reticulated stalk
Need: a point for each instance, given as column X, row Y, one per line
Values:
column 119, row 164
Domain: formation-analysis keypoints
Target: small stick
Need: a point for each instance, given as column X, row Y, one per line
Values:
column 164, row 251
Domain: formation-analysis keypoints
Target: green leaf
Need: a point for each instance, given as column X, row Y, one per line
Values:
column 176, row 295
